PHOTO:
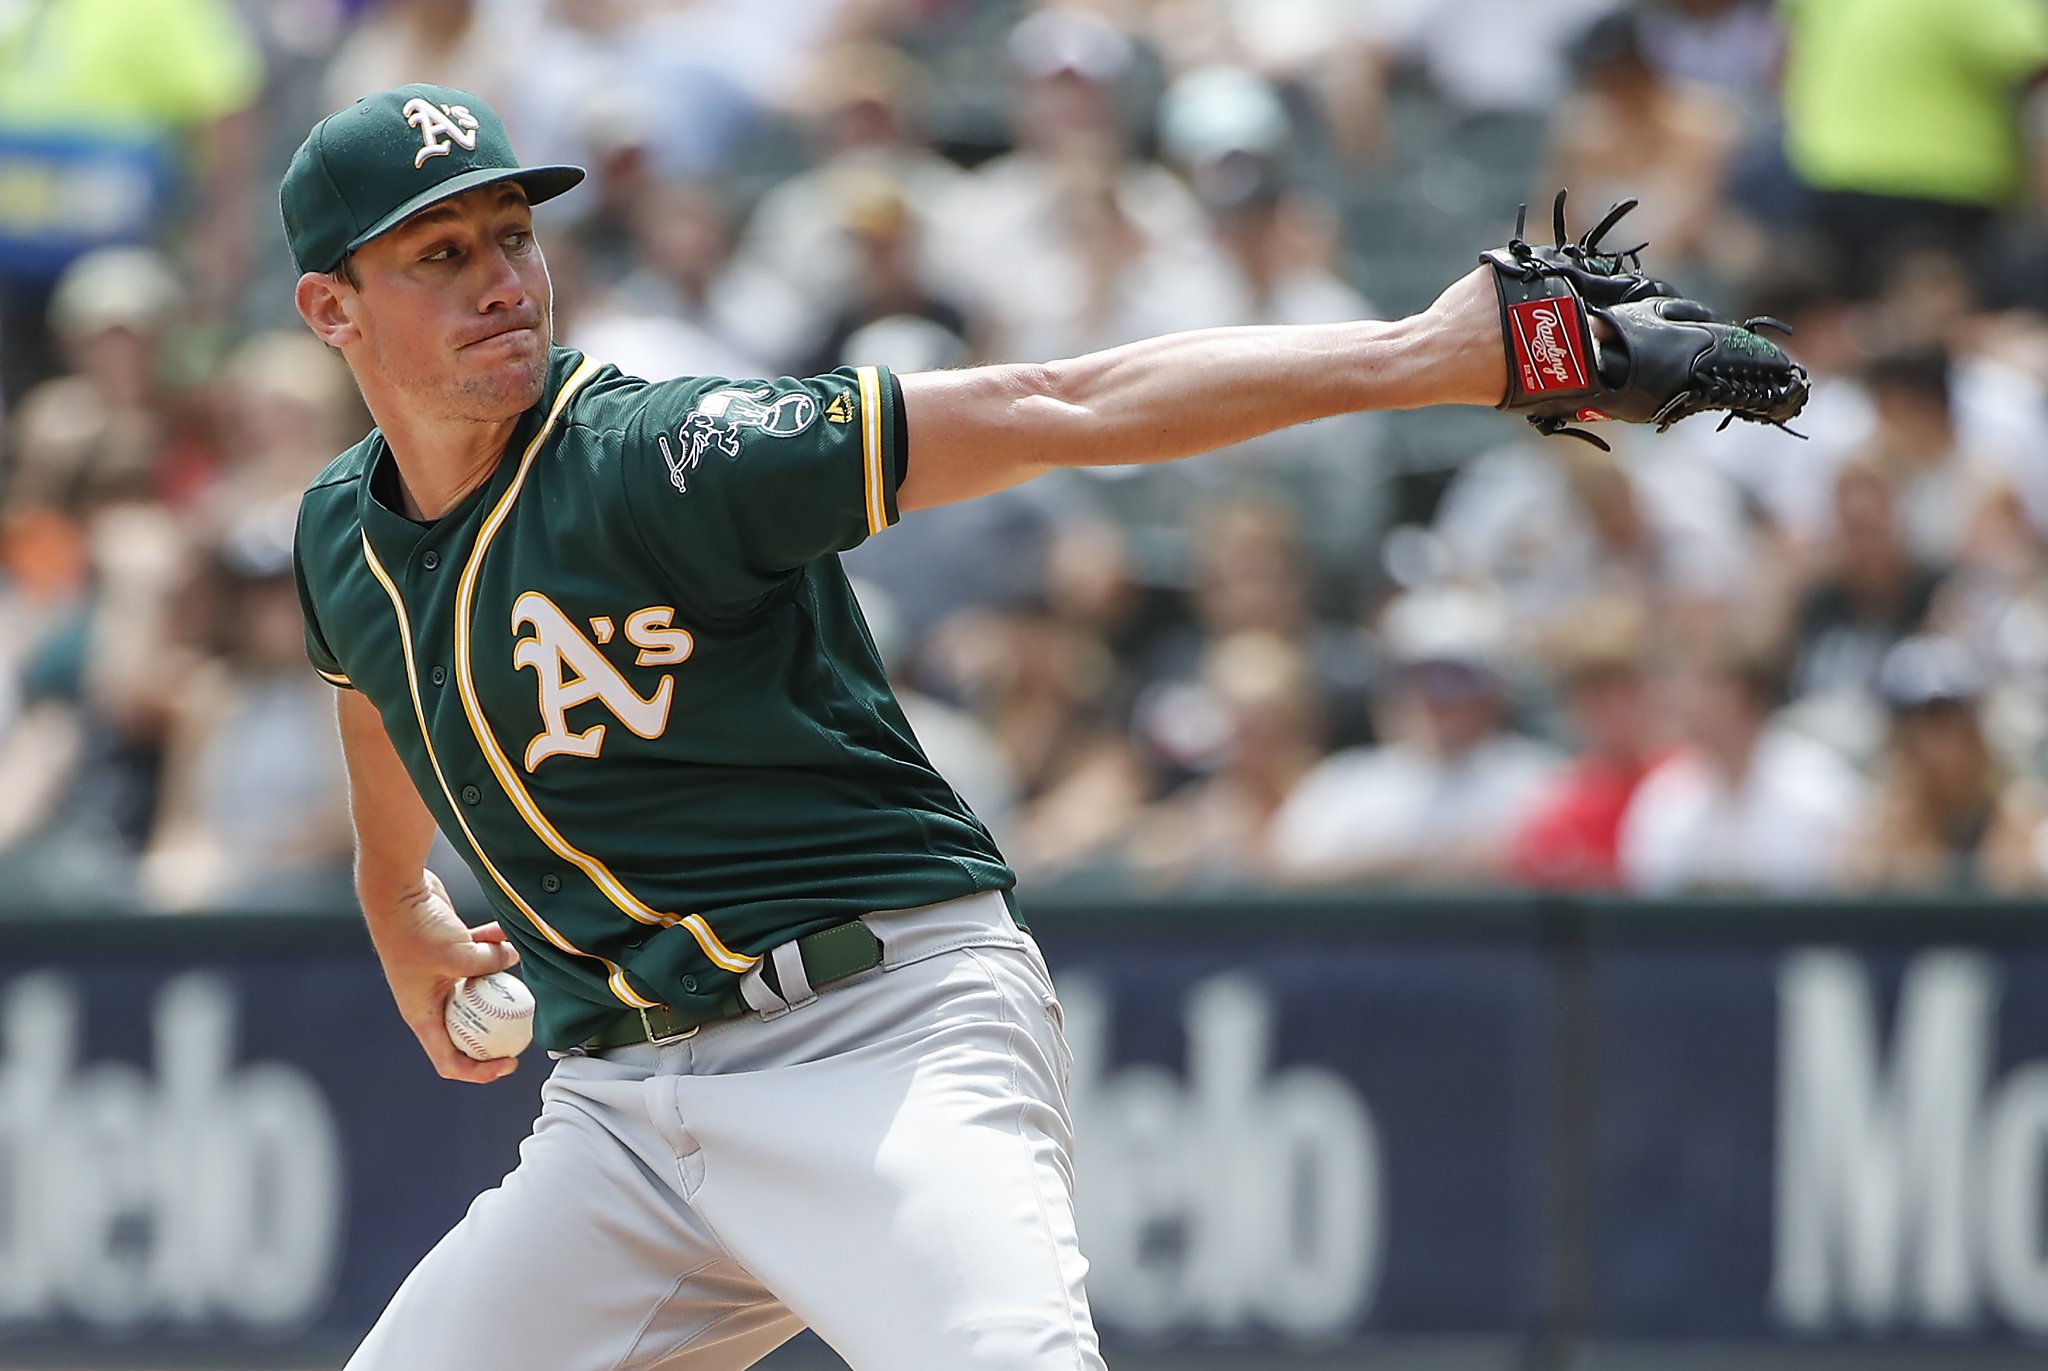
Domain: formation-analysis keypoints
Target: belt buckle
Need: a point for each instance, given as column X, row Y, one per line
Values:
column 664, row 1039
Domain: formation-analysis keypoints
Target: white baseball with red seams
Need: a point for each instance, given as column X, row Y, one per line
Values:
column 491, row 1016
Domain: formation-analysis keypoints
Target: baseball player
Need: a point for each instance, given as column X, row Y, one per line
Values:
column 808, row 1068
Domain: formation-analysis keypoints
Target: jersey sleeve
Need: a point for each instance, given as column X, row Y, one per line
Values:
column 737, row 485
column 317, row 651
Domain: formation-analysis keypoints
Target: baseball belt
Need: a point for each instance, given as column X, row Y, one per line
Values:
column 830, row 955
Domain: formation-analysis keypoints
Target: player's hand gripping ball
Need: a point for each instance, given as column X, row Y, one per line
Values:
column 491, row 1016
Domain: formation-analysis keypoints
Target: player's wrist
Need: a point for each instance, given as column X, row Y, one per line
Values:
column 1449, row 354
column 385, row 896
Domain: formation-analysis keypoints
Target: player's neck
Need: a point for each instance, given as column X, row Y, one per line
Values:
column 441, row 462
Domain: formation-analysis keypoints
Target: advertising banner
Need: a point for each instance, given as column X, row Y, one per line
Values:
column 1304, row 1142
column 1302, row 1139
column 225, row 1149
column 1822, row 1142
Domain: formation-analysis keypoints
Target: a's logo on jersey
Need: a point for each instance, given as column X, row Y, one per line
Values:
column 571, row 672
column 840, row 410
column 715, row 424
column 759, row 407
column 699, row 434
column 437, row 125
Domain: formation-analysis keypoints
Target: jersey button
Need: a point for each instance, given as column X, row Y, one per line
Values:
column 551, row 883
column 439, row 675
column 430, row 559
column 689, row 985
column 471, row 795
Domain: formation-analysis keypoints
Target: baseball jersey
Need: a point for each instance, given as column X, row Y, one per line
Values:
column 630, row 679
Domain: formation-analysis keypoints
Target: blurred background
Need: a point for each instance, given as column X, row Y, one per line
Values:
column 1596, row 890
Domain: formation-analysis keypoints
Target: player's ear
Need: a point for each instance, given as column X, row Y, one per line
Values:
column 319, row 298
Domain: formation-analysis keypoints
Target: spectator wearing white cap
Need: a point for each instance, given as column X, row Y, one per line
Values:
column 860, row 117
column 1227, row 131
column 1947, row 817
column 1440, row 803
column 94, row 435
column 1076, row 244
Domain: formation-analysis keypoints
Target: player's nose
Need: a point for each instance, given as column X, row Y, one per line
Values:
column 501, row 286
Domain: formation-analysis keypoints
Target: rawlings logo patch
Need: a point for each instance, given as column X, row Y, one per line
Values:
column 437, row 125
column 1548, row 351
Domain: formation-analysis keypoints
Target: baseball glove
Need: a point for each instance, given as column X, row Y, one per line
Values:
column 1590, row 336
column 1601, row 278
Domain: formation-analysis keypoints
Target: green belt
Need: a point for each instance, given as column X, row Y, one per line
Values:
column 831, row 955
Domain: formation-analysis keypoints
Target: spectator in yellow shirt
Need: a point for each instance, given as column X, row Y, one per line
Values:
column 1903, row 119
column 114, row 115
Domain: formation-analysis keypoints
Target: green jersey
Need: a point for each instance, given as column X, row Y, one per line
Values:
column 632, row 683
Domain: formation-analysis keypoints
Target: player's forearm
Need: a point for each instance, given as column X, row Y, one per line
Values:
column 1175, row 396
column 393, row 829
column 972, row 432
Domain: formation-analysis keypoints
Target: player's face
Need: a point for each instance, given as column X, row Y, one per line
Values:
column 455, row 308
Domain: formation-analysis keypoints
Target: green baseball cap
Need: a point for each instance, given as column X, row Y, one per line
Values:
column 390, row 155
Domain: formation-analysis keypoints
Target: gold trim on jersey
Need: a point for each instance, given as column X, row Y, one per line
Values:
column 872, row 465
column 334, row 678
column 614, row 975
column 601, row 875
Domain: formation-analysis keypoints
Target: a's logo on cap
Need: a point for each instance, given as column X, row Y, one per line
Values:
column 437, row 124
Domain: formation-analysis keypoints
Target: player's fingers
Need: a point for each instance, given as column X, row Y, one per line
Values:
column 495, row 935
column 479, row 958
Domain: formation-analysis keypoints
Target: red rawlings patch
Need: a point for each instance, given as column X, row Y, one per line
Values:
column 1548, row 348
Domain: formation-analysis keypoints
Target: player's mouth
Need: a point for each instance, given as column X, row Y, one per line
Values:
column 516, row 335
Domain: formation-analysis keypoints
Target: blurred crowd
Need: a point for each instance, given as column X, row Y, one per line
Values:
column 1416, row 650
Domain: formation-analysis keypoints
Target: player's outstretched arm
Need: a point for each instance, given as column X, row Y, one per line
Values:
column 988, row 428
column 422, row 942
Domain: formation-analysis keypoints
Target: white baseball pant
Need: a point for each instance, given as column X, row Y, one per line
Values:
column 889, row 1164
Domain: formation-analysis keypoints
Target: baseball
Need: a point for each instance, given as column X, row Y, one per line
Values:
column 491, row 1016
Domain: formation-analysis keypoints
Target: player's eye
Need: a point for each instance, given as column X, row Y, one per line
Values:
column 446, row 254
column 518, row 239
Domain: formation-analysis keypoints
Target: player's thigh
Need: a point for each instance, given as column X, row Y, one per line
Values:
column 912, row 1200
column 584, row 1259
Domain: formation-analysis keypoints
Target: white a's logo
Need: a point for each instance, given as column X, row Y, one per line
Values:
column 437, row 124
column 573, row 672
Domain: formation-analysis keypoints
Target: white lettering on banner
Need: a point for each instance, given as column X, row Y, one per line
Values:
column 1909, row 1192
column 201, row 1193
column 1241, row 1196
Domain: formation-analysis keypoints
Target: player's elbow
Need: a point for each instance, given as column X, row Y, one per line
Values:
column 1036, row 415
column 1051, row 411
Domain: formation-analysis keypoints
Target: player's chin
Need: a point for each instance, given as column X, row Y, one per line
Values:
column 506, row 375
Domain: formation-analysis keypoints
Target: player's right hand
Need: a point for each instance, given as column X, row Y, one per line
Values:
column 426, row 948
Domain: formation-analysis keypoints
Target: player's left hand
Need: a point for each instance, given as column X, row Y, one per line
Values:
column 1589, row 336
